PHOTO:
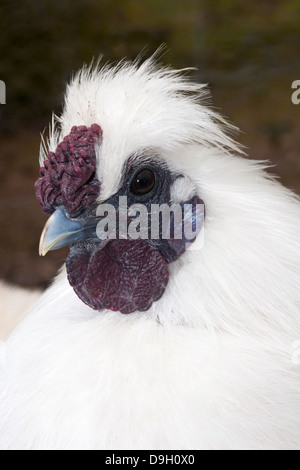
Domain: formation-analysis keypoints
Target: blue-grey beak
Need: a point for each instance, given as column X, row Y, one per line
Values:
column 60, row 230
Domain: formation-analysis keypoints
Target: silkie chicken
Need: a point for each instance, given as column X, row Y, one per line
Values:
column 154, row 343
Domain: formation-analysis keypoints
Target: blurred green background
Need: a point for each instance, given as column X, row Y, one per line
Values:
column 248, row 52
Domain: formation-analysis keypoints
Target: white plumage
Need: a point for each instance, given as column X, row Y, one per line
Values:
column 15, row 302
column 210, row 365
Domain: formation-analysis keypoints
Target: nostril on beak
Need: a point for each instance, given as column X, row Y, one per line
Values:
column 61, row 231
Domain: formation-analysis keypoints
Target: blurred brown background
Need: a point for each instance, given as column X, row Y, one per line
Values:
column 248, row 52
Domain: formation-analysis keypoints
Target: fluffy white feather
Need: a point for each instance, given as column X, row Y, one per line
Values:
column 14, row 304
column 209, row 366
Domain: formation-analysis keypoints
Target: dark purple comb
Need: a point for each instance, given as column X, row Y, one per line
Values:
column 68, row 176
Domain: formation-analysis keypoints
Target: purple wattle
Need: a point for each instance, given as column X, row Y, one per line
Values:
column 124, row 275
column 68, row 176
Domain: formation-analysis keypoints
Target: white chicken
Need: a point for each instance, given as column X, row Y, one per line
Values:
column 204, row 357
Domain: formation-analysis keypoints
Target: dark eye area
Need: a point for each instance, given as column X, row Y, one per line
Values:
column 143, row 182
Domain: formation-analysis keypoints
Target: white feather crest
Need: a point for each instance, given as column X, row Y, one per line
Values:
column 131, row 95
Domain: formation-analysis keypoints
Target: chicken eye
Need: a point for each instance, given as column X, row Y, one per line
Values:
column 143, row 182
